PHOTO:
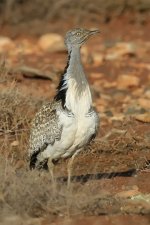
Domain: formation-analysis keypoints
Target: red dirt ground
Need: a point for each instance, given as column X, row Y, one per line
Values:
column 119, row 163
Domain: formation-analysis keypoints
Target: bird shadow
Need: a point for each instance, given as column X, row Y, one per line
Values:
column 98, row 176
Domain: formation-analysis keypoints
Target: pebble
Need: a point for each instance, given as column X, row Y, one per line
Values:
column 15, row 143
column 51, row 42
column 97, row 58
column 145, row 117
column 96, row 75
column 128, row 193
column 147, row 94
column 5, row 43
column 145, row 103
column 134, row 110
column 127, row 80
column 120, row 49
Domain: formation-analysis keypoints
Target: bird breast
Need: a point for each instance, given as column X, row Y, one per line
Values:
column 78, row 98
column 76, row 133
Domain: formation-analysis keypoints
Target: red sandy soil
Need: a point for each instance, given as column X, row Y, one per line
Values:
column 118, row 163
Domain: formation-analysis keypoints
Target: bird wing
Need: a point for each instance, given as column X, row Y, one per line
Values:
column 46, row 128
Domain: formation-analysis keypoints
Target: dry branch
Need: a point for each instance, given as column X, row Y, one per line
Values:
column 31, row 72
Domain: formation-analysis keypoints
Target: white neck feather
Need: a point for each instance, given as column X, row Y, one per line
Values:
column 78, row 95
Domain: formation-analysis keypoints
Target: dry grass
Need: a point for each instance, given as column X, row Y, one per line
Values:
column 24, row 11
column 29, row 193
column 16, row 112
column 24, row 192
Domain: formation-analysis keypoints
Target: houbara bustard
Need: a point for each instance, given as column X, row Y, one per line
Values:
column 64, row 126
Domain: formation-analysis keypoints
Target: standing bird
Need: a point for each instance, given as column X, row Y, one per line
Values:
column 64, row 126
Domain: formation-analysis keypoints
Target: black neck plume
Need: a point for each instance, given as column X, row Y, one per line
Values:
column 61, row 90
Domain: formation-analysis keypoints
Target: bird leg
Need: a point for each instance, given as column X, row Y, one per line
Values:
column 41, row 160
column 50, row 168
column 70, row 165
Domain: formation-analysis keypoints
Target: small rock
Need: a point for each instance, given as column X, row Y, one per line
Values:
column 121, row 96
column 121, row 49
column 97, row 58
column 143, row 197
column 127, row 194
column 126, row 81
column 145, row 118
column 145, row 103
column 147, row 94
column 5, row 43
column 134, row 110
column 117, row 117
column 101, row 105
column 96, row 75
column 138, row 92
column 51, row 42
column 20, row 164
column 136, row 207
column 25, row 47
column 108, row 113
column 15, row 143
column 111, row 56
column 109, row 84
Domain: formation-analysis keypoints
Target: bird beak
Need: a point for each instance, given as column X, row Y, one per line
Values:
column 89, row 34
column 92, row 32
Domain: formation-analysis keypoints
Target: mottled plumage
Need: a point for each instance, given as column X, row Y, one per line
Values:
column 46, row 129
column 64, row 126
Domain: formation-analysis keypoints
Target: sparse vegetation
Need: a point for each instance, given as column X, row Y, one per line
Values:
column 30, row 194
column 16, row 11
column 111, row 176
column 51, row 8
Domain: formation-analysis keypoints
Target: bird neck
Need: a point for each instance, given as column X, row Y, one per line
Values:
column 74, row 89
column 75, row 69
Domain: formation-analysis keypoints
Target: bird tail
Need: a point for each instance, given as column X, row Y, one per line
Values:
column 33, row 164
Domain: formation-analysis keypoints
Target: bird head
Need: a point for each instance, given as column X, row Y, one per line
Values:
column 77, row 36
